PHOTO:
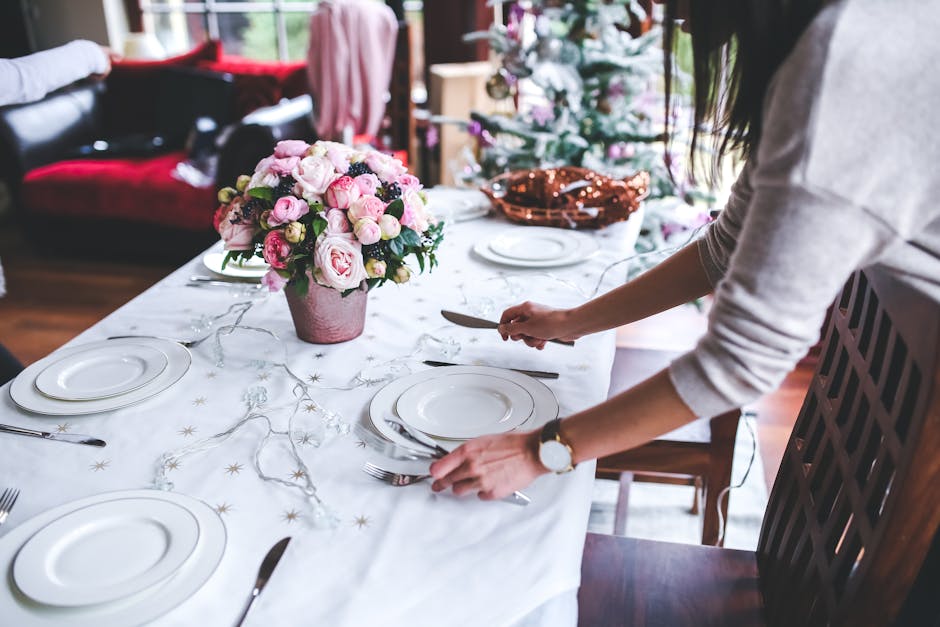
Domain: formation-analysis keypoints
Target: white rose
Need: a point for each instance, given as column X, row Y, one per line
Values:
column 313, row 176
column 339, row 262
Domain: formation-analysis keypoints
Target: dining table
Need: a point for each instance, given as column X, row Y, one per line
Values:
column 262, row 429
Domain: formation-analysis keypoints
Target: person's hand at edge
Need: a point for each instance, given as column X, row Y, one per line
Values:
column 535, row 324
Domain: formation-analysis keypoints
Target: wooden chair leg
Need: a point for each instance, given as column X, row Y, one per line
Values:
column 724, row 428
column 623, row 502
column 697, row 487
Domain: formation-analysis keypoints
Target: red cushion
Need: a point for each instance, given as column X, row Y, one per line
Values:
column 136, row 190
column 207, row 51
column 260, row 83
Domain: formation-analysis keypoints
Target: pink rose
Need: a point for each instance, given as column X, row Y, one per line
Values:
column 367, row 231
column 236, row 235
column 367, row 184
column 415, row 214
column 276, row 250
column 341, row 193
column 273, row 281
column 366, row 207
column 390, row 226
column 408, row 181
column 387, row 168
column 339, row 263
column 290, row 148
column 338, row 154
column 314, row 175
column 336, row 222
column 283, row 167
column 287, row 209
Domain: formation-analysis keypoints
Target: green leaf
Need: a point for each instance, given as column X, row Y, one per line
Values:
column 319, row 225
column 396, row 208
column 397, row 246
column 420, row 262
column 409, row 237
column 265, row 193
column 376, row 282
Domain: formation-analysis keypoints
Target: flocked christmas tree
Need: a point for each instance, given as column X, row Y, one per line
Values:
column 585, row 91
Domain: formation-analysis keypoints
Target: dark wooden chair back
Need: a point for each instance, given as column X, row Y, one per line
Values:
column 856, row 502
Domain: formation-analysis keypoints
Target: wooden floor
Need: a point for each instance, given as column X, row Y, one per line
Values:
column 51, row 300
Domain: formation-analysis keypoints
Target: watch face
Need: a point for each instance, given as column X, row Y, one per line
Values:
column 555, row 456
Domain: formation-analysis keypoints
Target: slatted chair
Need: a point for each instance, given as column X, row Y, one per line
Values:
column 854, row 509
column 699, row 454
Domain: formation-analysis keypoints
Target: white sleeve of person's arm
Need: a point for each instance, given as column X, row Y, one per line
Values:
column 794, row 254
column 29, row 78
column 717, row 245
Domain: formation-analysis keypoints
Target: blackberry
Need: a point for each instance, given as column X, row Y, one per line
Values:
column 389, row 192
column 253, row 207
column 377, row 251
column 284, row 187
column 355, row 169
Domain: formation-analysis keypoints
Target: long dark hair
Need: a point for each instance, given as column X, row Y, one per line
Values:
column 737, row 46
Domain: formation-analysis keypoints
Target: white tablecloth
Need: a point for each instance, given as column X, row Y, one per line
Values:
column 397, row 556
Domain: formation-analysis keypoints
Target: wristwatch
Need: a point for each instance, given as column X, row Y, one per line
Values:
column 554, row 453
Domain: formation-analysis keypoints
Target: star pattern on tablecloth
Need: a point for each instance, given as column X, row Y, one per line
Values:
column 310, row 407
column 187, row 431
column 211, row 375
column 173, row 464
column 361, row 521
column 133, row 327
column 374, row 314
column 319, row 356
column 474, row 340
column 582, row 367
column 199, row 401
column 305, row 438
column 370, row 358
column 100, row 465
column 62, row 428
column 223, row 508
column 291, row 516
column 234, row 469
column 298, row 474
column 360, row 444
column 315, row 377
column 264, row 376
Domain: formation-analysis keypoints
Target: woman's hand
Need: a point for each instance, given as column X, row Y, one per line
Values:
column 535, row 324
column 493, row 466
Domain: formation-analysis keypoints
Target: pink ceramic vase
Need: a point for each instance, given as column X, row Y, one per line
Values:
column 324, row 316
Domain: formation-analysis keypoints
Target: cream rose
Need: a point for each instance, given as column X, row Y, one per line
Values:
column 339, row 261
column 313, row 176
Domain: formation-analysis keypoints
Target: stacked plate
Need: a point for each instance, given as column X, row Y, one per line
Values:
column 457, row 403
column 100, row 376
column 112, row 559
column 537, row 247
column 251, row 269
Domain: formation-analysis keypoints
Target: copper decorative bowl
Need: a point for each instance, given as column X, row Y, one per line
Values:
column 567, row 197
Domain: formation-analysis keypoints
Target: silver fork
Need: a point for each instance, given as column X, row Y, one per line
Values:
column 397, row 479
column 7, row 500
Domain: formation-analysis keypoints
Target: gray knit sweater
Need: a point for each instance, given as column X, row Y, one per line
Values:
column 847, row 175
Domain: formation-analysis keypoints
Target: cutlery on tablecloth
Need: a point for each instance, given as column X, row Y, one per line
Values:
column 439, row 451
column 186, row 343
column 397, row 479
column 481, row 323
column 7, row 501
column 232, row 284
column 264, row 573
column 540, row 374
column 201, row 278
column 388, row 449
column 73, row 438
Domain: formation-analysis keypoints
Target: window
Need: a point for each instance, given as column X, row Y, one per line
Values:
column 269, row 30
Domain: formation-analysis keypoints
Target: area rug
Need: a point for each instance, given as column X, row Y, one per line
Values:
column 663, row 512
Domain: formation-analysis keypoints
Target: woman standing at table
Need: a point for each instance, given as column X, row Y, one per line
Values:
column 830, row 103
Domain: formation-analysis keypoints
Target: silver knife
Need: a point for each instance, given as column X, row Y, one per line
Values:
column 481, row 323
column 74, row 438
column 541, row 374
column 264, row 573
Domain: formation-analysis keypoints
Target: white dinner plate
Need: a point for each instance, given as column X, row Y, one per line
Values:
column 536, row 244
column 105, row 552
column 143, row 607
column 464, row 406
column 457, row 204
column 101, row 372
column 385, row 400
column 537, row 247
column 253, row 268
column 24, row 393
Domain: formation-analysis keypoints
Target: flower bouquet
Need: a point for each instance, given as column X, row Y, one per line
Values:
column 328, row 215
